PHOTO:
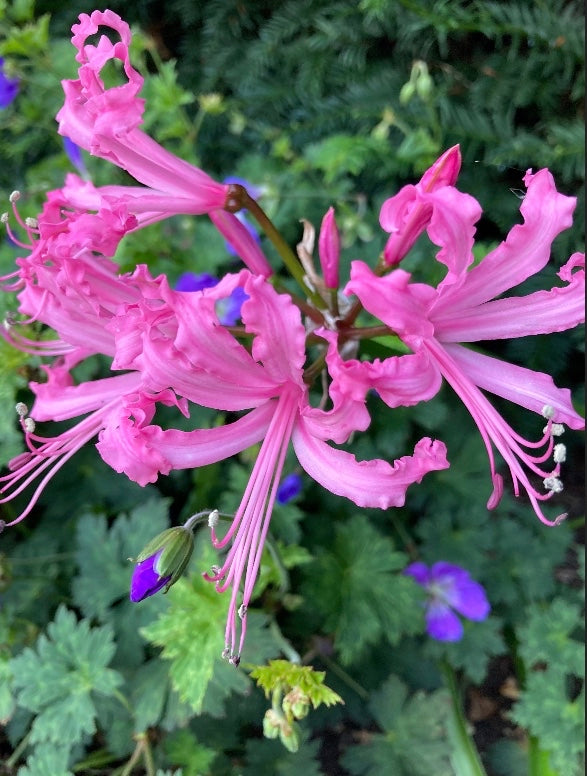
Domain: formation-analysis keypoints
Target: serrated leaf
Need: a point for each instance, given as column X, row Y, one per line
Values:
column 47, row 760
column 414, row 742
column 285, row 675
column 102, row 554
column 557, row 722
column 480, row 642
column 57, row 678
column 191, row 631
column 547, row 637
column 359, row 587
column 183, row 748
column 150, row 687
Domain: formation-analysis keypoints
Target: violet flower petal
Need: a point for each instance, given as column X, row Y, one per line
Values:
column 442, row 623
column 145, row 581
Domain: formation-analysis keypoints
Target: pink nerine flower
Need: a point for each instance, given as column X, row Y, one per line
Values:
column 104, row 121
column 205, row 363
column 464, row 309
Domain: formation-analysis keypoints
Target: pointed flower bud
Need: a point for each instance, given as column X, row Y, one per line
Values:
column 329, row 249
column 161, row 562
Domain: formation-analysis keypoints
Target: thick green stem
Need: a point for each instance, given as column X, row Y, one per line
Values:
column 465, row 757
column 239, row 198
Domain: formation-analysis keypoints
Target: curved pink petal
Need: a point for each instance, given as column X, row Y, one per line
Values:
column 58, row 401
column 371, row 483
column 452, row 228
column 237, row 234
column 280, row 337
column 542, row 312
column 400, row 381
column 389, row 298
column 525, row 251
column 142, row 451
column 517, row 384
column 104, row 121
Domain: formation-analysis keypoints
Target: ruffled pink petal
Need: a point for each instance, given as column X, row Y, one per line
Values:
column 390, row 299
column 104, row 121
column 400, row 381
column 371, row 483
column 533, row 390
column 142, row 451
column 525, row 251
column 407, row 214
column 57, row 399
column 280, row 336
column 542, row 312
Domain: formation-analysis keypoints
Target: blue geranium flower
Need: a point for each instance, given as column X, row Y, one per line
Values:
column 289, row 487
column 450, row 589
column 8, row 87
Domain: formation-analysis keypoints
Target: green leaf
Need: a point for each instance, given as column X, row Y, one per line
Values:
column 480, row 642
column 191, row 631
column 547, row 637
column 57, row 679
column 359, row 588
column 269, row 758
column 47, row 760
column 150, row 687
column 414, row 741
column 183, row 748
column 102, row 554
column 283, row 675
column 550, row 706
column 7, row 701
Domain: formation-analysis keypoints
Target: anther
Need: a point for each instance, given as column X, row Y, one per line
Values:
column 553, row 483
column 29, row 425
column 235, row 660
column 242, row 610
column 226, row 652
column 14, row 197
column 557, row 429
column 548, row 412
column 21, row 409
column 4, row 218
column 560, row 453
column 213, row 518
column 32, row 222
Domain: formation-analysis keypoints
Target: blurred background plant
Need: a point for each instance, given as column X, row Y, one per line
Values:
column 319, row 103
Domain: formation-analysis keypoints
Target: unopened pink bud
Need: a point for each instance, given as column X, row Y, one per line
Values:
column 329, row 249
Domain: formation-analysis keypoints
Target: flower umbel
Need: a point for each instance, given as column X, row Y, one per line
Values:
column 449, row 589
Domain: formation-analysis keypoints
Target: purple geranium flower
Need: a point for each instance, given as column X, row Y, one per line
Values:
column 228, row 309
column 289, row 487
column 8, row 87
column 145, row 580
column 449, row 588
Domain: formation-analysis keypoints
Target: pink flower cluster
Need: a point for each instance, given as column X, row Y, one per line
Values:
column 169, row 347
